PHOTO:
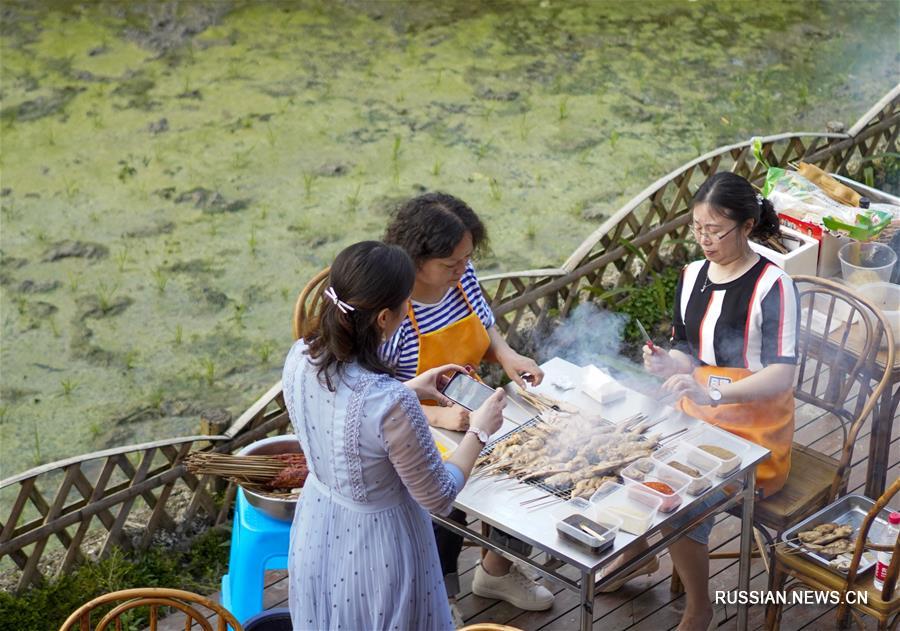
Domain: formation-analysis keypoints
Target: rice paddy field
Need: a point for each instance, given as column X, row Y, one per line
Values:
column 171, row 173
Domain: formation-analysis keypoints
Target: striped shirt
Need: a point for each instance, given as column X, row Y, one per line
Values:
column 402, row 350
column 749, row 322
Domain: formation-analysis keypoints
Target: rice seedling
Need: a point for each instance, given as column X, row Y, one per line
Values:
column 264, row 351
column 209, row 371
column 22, row 304
column 285, row 293
column 270, row 135
column 252, row 242
column 308, row 179
column 122, row 258
column 238, row 315
column 160, row 278
column 70, row 190
column 68, row 386
column 131, row 358
column 564, row 108
column 95, row 429
column 613, row 139
column 51, row 135
column 156, row 398
column 105, row 296
column 41, row 236
column 36, row 458
column 54, row 328
column 483, row 147
column 96, row 119
column 436, row 168
column 395, row 150
column 531, row 230
column 353, row 200
column 438, row 77
column 4, row 413
column 241, row 159
column 496, row 193
column 179, row 335
column 74, row 281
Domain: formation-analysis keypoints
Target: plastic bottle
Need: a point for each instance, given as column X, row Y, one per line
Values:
column 884, row 558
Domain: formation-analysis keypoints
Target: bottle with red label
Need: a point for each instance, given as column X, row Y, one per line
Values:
column 884, row 558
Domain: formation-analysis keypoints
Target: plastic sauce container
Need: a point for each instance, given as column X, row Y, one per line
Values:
column 700, row 471
column 645, row 470
column 724, row 449
column 636, row 510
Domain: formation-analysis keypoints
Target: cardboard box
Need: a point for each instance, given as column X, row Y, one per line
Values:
column 828, row 264
column 801, row 260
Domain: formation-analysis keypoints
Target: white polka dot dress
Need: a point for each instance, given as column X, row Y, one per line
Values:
column 362, row 550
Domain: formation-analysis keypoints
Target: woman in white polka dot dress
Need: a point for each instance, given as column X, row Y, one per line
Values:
column 362, row 553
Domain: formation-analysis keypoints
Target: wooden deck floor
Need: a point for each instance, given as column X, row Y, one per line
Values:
column 646, row 604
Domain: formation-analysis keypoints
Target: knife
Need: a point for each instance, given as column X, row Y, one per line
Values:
column 643, row 331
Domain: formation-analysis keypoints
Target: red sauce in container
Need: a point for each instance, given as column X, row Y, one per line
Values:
column 660, row 487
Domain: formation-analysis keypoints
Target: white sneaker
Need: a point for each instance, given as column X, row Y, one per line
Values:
column 456, row 615
column 515, row 588
column 529, row 572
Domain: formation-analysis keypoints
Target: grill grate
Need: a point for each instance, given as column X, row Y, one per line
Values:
column 564, row 493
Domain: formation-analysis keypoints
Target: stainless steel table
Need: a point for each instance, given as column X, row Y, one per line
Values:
column 498, row 503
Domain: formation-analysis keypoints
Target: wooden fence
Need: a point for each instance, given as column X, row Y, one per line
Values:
column 98, row 492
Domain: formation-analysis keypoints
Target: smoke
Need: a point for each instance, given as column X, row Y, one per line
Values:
column 588, row 336
column 591, row 335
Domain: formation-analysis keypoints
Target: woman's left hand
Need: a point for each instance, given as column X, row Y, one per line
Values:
column 521, row 369
column 683, row 385
column 429, row 384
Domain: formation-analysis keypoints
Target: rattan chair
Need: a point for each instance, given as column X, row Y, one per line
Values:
column 835, row 378
column 152, row 597
column 307, row 304
column 883, row 604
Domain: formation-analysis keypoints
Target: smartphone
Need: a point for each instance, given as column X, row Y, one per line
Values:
column 469, row 393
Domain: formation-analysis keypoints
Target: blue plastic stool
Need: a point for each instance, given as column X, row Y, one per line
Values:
column 258, row 543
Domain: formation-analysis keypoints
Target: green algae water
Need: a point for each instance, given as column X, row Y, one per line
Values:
column 173, row 173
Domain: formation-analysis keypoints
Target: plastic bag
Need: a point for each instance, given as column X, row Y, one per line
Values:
column 795, row 196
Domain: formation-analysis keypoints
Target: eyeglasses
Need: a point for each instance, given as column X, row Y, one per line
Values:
column 712, row 236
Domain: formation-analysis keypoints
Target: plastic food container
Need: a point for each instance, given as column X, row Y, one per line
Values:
column 725, row 449
column 885, row 296
column 578, row 523
column 864, row 263
column 639, row 472
column 636, row 510
column 701, row 470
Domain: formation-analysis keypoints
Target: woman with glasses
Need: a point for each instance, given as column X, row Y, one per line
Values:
column 734, row 352
column 449, row 321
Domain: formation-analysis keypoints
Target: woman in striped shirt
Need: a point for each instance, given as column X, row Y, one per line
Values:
column 449, row 321
column 734, row 352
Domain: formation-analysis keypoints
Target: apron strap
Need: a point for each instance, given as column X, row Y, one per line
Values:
column 412, row 314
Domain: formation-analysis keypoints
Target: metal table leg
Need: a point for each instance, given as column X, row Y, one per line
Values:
column 749, row 495
column 587, row 600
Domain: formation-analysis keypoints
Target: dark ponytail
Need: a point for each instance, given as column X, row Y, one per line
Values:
column 365, row 277
column 734, row 197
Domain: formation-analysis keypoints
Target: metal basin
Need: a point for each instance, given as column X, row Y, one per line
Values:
column 275, row 507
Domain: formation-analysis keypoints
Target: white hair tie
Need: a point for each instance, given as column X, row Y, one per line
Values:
column 340, row 304
column 759, row 199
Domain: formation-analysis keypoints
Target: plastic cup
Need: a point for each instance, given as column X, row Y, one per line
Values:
column 863, row 263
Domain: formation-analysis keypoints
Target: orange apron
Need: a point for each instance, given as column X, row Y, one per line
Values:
column 462, row 342
column 767, row 422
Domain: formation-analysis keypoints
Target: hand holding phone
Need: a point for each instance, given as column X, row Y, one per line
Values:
column 468, row 392
column 489, row 416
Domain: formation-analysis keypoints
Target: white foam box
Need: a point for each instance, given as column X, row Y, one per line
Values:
column 801, row 260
